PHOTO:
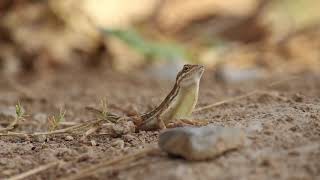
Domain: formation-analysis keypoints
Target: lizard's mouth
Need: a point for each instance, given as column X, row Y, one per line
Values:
column 198, row 72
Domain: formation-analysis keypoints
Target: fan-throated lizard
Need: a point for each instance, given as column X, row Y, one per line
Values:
column 179, row 103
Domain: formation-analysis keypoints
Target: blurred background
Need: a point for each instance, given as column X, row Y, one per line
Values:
column 237, row 39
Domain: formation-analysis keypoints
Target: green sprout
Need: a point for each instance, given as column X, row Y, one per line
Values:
column 20, row 114
column 55, row 120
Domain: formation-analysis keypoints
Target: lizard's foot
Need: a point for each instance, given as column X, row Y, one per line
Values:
column 187, row 122
column 161, row 125
column 155, row 124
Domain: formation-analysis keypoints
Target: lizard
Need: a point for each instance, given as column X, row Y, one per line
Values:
column 179, row 103
column 175, row 108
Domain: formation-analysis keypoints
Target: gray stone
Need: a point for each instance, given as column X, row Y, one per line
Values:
column 69, row 138
column 118, row 143
column 200, row 143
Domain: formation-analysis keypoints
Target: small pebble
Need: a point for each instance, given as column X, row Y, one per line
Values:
column 123, row 126
column 41, row 138
column 297, row 97
column 69, row 138
column 128, row 137
column 201, row 143
column 255, row 126
column 118, row 143
column 93, row 143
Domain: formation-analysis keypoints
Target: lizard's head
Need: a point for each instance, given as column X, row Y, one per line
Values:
column 189, row 74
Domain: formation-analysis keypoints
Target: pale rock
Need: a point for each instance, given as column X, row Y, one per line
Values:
column 93, row 143
column 200, row 143
column 123, row 126
column 69, row 138
column 255, row 126
column 118, row 143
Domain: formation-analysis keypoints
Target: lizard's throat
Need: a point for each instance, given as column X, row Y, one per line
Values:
column 184, row 102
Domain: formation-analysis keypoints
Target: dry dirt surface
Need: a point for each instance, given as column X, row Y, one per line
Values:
column 282, row 125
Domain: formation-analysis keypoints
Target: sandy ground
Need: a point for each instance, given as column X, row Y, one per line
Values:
column 283, row 128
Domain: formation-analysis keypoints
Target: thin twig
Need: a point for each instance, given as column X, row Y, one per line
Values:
column 259, row 91
column 108, row 163
column 66, row 123
column 14, row 134
column 69, row 129
column 8, row 128
column 225, row 101
column 34, row 171
column 11, row 126
column 59, row 131
column 130, row 165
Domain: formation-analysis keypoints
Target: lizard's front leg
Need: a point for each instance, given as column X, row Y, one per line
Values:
column 161, row 124
column 151, row 124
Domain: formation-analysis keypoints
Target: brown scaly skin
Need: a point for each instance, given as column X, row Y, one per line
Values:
column 178, row 104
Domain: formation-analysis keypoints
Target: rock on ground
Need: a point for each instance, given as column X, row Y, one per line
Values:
column 200, row 143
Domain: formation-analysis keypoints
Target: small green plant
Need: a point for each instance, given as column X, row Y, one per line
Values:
column 20, row 114
column 55, row 120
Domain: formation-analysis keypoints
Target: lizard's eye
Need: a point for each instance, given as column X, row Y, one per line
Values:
column 186, row 67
